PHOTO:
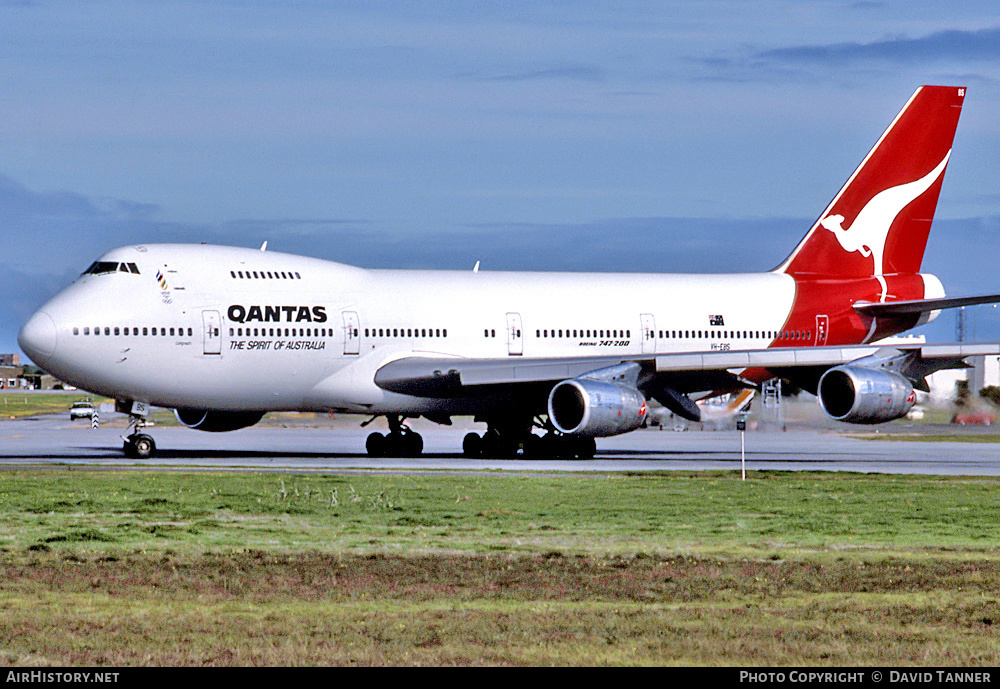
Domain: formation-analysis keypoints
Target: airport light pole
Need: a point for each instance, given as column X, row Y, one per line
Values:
column 741, row 426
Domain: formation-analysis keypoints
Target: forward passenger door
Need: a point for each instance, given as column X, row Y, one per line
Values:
column 212, row 323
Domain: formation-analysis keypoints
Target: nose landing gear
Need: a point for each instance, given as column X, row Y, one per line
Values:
column 138, row 445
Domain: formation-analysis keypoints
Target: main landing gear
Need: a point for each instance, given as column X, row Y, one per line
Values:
column 492, row 445
column 401, row 441
column 504, row 438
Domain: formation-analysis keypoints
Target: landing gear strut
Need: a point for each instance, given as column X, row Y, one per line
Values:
column 401, row 441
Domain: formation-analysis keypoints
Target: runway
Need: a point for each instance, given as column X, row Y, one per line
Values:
column 56, row 442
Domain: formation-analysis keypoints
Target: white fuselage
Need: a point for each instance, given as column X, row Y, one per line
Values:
column 239, row 329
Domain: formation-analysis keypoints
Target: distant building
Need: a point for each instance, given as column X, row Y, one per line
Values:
column 9, row 377
column 35, row 378
column 985, row 372
column 944, row 384
column 14, row 376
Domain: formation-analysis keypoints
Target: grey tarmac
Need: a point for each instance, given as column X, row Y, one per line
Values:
column 57, row 442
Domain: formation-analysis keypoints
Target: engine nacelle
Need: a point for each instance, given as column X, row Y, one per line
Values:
column 217, row 421
column 595, row 408
column 857, row 394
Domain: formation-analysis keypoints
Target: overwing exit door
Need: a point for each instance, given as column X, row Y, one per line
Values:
column 648, row 333
column 515, row 339
column 352, row 341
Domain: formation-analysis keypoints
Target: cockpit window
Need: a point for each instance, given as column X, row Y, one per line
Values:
column 101, row 267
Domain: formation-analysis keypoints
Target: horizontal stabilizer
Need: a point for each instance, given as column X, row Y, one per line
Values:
column 914, row 306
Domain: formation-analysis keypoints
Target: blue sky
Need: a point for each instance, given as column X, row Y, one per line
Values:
column 627, row 136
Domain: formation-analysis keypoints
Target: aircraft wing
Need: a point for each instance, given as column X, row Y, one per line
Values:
column 434, row 377
column 684, row 372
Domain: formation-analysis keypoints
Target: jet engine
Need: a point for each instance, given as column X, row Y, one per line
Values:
column 595, row 408
column 217, row 421
column 857, row 394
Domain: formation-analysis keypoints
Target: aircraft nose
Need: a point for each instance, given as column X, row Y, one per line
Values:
column 38, row 336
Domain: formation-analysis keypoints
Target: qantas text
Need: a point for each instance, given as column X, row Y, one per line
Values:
column 277, row 314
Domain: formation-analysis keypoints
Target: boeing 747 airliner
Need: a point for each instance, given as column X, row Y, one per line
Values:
column 224, row 335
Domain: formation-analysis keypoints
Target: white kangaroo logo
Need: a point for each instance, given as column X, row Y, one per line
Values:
column 868, row 233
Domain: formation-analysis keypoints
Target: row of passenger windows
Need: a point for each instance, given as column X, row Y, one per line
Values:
column 406, row 332
column 443, row 332
column 131, row 331
column 265, row 275
column 582, row 333
column 736, row 334
column 277, row 332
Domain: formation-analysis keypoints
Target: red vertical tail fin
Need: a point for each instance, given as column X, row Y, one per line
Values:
column 879, row 221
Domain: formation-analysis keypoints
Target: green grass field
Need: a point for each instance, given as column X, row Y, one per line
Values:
column 19, row 405
column 133, row 568
column 16, row 405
